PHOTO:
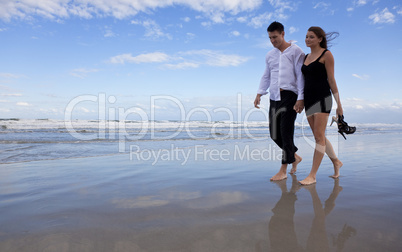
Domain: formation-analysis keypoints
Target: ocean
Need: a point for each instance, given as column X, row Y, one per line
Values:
column 23, row 140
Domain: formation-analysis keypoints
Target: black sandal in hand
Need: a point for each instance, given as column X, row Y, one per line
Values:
column 343, row 127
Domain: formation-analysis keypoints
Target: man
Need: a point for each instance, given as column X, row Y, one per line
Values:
column 285, row 81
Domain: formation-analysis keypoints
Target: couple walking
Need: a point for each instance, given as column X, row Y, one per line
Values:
column 298, row 81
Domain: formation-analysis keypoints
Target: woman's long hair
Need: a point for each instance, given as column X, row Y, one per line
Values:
column 326, row 37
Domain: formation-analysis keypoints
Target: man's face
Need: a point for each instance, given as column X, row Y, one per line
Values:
column 276, row 38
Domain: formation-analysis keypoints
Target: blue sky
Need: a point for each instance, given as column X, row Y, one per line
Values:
column 186, row 59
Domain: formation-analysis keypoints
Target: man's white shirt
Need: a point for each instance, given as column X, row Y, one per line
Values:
column 283, row 71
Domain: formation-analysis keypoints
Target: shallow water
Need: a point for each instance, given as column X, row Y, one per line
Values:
column 216, row 203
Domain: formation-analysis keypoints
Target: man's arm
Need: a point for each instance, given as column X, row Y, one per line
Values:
column 299, row 60
column 264, row 84
column 257, row 100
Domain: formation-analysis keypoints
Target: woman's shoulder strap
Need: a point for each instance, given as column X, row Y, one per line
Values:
column 322, row 54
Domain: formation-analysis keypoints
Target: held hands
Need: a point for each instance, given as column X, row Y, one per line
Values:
column 299, row 106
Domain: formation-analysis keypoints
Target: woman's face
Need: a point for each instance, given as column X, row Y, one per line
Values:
column 312, row 40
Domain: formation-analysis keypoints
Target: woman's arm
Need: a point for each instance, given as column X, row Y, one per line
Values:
column 330, row 66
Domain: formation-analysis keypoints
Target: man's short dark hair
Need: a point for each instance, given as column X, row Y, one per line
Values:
column 276, row 26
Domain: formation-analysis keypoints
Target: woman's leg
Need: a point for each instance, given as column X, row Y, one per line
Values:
column 331, row 154
column 318, row 124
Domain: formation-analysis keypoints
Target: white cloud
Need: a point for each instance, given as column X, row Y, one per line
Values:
column 242, row 19
column 367, row 105
column 206, row 24
column 396, row 105
column 24, row 104
column 218, row 17
column 282, row 5
column 11, row 95
column 51, row 110
column 293, row 29
column 382, row 17
column 324, row 8
column 235, row 33
column 215, row 10
column 184, row 60
column 190, row 36
column 9, row 76
column 108, row 32
column 398, row 10
column 321, row 5
column 361, row 2
column 182, row 65
column 213, row 58
column 26, row 8
column 362, row 77
column 82, row 72
column 260, row 20
column 56, row 9
column 152, row 29
column 5, row 87
column 142, row 58
column 375, row 106
column 85, row 110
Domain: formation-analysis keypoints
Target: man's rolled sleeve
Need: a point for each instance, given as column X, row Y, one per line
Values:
column 265, row 80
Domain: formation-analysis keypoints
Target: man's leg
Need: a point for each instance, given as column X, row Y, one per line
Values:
column 287, row 128
column 274, row 123
column 276, row 136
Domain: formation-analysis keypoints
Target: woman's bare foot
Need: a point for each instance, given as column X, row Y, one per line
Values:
column 337, row 166
column 308, row 181
column 295, row 163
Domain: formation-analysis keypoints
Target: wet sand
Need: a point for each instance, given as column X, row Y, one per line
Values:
column 112, row 203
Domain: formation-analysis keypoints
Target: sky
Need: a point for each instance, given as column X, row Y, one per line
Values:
column 186, row 59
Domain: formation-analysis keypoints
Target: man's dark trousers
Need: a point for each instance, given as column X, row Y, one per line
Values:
column 282, row 118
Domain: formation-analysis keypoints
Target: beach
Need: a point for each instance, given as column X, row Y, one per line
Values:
column 205, row 197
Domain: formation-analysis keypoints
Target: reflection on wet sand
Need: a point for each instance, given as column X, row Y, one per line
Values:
column 282, row 233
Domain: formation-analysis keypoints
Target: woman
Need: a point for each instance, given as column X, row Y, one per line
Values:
column 318, row 71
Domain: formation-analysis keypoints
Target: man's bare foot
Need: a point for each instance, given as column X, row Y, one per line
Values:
column 279, row 176
column 295, row 163
column 337, row 166
column 308, row 181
